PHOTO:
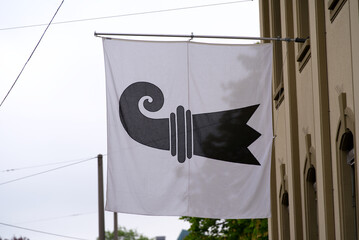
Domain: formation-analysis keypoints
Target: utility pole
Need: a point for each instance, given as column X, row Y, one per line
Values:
column 101, row 208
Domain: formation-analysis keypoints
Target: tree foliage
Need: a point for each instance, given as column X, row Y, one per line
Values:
column 125, row 234
column 229, row 229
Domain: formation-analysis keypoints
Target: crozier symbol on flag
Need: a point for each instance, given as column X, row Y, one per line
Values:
column 189, row 128
column 208, row 140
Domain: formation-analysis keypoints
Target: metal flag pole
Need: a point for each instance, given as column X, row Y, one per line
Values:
column 115, row 226
column 101, row 208
column 191, row 36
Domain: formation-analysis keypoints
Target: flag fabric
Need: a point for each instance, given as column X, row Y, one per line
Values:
column 189, row 128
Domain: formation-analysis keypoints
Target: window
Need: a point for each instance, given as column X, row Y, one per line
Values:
column 303, row 32
column 285, row 216
column 347, row 180
column 311, row 203
column 310, row 191
column 284, row 207
column 346, row 171
column 277, row 53
column 303, row 18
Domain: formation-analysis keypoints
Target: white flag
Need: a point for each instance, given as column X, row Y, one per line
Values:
column 189, row 128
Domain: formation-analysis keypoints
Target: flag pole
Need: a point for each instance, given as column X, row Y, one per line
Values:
column 191, row 36
column 101, row 208
column 115, row 230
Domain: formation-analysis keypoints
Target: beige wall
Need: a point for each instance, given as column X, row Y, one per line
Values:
column 308, row 108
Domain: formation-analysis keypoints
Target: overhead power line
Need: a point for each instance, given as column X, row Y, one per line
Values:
column 127, row 14
column 42, row 232
column 56, row 218
column 50, row 170
column 38, row 166
column 31, row 55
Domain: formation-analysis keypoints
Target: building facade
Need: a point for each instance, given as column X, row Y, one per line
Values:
column 315, row 176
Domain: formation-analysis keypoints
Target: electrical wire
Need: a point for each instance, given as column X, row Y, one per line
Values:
column 127, row 15
column 42, row 232
column 31, row 54
column 50, row 170
column 56, row 218
column 38, row 166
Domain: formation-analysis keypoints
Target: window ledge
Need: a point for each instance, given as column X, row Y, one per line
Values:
column 334, row 7
column 304, row 54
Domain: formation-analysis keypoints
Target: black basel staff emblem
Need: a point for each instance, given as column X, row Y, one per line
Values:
column 223, row 136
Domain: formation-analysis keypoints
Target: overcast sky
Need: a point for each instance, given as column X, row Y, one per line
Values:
column 56, row 113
